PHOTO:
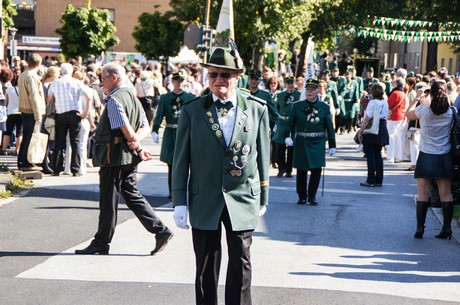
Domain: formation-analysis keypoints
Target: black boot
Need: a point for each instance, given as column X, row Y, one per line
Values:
column 447, row 213
column 422, row 208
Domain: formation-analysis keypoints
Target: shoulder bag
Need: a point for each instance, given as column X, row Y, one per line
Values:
column 373, row 127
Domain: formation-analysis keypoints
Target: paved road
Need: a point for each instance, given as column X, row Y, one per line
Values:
column 355, row 247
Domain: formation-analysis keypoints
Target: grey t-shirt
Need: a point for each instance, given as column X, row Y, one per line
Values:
column 435, row 130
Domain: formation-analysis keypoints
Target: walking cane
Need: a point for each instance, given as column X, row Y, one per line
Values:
column 322, row 188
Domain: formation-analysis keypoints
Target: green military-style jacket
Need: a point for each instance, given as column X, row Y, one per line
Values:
column 272, row 112
column 169, row 108
column 208, row 174
column 351, row 99
column 311, row 124
column 284, row 105
column 340, row 82
column 332, row 93
column 359, row 81
column 368, row 82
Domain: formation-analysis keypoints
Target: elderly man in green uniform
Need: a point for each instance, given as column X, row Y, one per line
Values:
column 351, row 99
column 220, row 175
column 311, row 125
column 285, row 153
column 170, row 107
column 254, row 81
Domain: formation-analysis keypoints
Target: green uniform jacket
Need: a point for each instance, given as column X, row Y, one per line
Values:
column 285, row 102
column 350, row 99
column 332, row 93
column 368, row 82
column 340, row 82
column 359, row 81
column 306, row 117
column 272, row 112
column 204, row 166
column 169, row 107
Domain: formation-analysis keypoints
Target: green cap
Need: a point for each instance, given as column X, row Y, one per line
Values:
column 225, row 58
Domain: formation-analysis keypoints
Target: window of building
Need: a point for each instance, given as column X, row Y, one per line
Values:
column 450, row 66
column 443, row 62
column 385, row 60
column 395, row 59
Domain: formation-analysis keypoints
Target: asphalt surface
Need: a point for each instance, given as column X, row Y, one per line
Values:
column 355, row 247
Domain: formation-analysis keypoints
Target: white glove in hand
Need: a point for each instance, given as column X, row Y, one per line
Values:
column 275, row 128
column 262, row 210
column 332, row 151
column 155, row 137
column 288, row 142
column 180, row 216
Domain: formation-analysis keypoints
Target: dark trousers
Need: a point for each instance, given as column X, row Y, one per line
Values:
column 374, row 163
column 285, row 155
column 67, row 122
column 28, row 124
column 301, row 183
column 169, row 178
column 113, row 182
column 273, row 152
column 208, row 255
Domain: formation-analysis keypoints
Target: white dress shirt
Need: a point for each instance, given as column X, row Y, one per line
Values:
column 227, row 122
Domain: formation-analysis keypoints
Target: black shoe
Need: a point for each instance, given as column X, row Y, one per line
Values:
column 446, row 233
column 93, row 248
column 288, row 175
column 274, row 165
column 47, row 171
column 378, row 184
column 312, row 201
column 280, row 174
column 302, row 201
column 56, row 174
column 367, row 184
column 419, row 233
column 162, row 240
column 76, row 174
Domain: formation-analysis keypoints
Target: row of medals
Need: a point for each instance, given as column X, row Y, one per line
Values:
column 237, row 171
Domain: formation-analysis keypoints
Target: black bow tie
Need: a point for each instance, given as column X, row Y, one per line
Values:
column 220, row 105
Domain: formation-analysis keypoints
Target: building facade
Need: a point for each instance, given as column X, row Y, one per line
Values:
column 124, row 15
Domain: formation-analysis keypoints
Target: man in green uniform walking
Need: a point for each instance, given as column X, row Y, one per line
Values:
column 311, row 125
column 285, row 153
column 170, row 107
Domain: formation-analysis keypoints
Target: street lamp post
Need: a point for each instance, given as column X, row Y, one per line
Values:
column 13, row 45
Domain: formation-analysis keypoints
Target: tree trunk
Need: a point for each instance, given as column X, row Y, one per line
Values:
column 303, row 49
column 258, row 63
column 432, row 56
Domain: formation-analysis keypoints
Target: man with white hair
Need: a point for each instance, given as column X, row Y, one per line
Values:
column 118, row 151
column 69, row 113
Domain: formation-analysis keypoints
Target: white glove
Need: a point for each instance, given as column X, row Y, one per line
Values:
column 332, row 151
column 262, row 210
column 275, row 128
column 337, row 111
column 288, row 142
column 180, row 216
column 155, row 137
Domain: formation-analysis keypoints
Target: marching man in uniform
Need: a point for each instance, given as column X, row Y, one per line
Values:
column 311, row 125
column 220, row 177
column 169, row 108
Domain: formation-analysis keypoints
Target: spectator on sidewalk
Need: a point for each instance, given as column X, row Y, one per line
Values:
column 435, row 159
column 31, row 105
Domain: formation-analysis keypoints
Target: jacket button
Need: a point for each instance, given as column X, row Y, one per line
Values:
column 226, row 153
column 225, row 191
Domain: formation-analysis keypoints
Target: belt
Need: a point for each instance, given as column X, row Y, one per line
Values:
column 285, row 118
column 174, row 126
column 311, row 134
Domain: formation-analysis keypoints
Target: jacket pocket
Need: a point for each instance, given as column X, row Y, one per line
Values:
column 255, row 189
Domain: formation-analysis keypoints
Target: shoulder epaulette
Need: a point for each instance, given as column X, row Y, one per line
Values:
column 189, row 101
column 244, row 90
column 255, row 98
column 295, row 102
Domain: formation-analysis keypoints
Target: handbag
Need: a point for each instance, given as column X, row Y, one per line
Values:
column 37, row 147
column 375, row 121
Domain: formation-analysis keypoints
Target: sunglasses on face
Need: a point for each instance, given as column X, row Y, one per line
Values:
column 224, row 75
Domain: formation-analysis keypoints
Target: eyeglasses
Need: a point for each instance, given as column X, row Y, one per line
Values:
column 103, row 79
column 224, row 75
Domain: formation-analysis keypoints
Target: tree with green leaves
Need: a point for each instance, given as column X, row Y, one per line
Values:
column 158, row 35
column 8, row 10
column 86, row 31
